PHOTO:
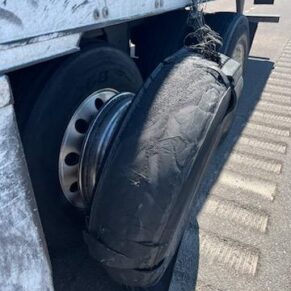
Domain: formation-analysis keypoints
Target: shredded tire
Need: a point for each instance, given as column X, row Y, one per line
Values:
column 145, row 193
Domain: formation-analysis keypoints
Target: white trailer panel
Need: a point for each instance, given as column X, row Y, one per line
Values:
column 30, row 18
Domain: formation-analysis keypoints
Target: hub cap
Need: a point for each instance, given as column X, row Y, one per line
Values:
column 76, row 139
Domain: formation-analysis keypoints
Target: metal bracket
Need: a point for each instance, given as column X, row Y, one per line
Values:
column 267, row 2
column 263, row 18
column 240, row 4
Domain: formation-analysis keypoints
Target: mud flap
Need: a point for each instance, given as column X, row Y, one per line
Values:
column 24, row 261
column 143, row 200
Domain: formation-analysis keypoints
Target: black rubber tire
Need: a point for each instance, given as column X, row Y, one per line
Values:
column 144, row 196
column 79, row 76
column 234, row 30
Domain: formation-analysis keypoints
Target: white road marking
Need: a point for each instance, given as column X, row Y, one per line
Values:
column 232, row 254
column 254, row 162
column 237, row 213
column 263, row 188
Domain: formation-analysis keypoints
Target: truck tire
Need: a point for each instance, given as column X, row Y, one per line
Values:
column 234, row 30
column 144, row 196
column 76, row 78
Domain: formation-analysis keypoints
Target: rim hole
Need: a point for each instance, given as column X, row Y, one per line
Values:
column 72, row 159
column 81, row 126
column 98, row 103
column 74, row 187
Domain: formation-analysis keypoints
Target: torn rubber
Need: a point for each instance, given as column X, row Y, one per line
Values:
column 142, row 202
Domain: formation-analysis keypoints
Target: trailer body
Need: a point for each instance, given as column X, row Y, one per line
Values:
column 34, row 31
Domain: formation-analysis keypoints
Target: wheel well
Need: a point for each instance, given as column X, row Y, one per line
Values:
column 159, row 37
column 155, row 37
column 116, row 35
column 26, row 84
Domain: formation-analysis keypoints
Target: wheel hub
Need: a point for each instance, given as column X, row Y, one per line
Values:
column 86, row 141
column 239, row 53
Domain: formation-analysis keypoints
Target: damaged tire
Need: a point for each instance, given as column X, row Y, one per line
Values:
column 144, row 196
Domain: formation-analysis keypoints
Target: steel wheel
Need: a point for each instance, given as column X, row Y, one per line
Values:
column 71, row 147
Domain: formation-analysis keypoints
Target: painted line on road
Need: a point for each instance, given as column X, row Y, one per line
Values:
column 285, row 59
column 270, row 106
column 268, row 117
column 240, row 214
column 279, row 69
column 231, row 253
column 201, row 286
column 266, row 145
column 263, row 144
column 255, row 128
column 278, row 90
column 276, row 98
column 279, row 82
column 263, row 188
column 281, row 64
column 252, row 161
column 286, row 55
column 280, row 76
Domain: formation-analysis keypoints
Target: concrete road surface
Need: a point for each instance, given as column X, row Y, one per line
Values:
column 239, row 236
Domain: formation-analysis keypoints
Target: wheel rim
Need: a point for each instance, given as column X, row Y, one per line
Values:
column 239, row 53
column 71, row 147
column 98, row 141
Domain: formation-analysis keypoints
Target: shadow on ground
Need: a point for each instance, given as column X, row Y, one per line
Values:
column 76, row 271
column 258, row 72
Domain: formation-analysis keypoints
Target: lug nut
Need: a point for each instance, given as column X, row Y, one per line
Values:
column 105, row 12
column 96, row 14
